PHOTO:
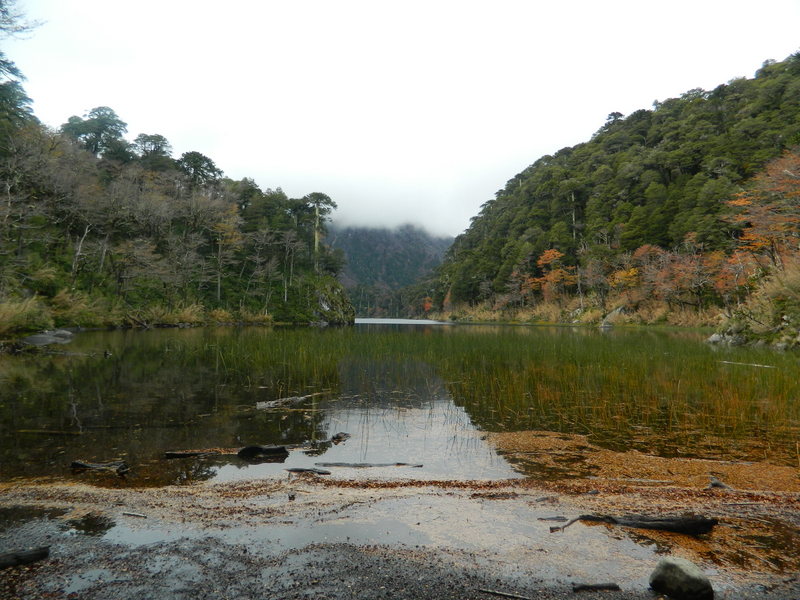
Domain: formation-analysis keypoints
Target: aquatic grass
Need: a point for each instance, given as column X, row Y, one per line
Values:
column 660, row 392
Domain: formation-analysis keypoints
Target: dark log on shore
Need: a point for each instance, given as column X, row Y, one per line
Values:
column 590, row 587
column 365, row 465
column 689, row 525
column 119, row 467
column 264, row 453
column 23, row 557
column 308, row 470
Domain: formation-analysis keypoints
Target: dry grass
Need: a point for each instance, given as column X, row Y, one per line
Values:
column 246, row 316
column 220, row 315
column 190, row 313
column 77, row 308
column 30, row 314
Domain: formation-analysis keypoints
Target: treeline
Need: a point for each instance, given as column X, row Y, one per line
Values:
column 96, row 230
column 639, row 212
column 383, row 266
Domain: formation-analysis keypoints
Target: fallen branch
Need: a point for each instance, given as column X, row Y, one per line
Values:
column 133, row 514
column 23, row 557
column 689, row 525
column 730, row 362
column 590, row 587
column 503, row 594
column 288, row 400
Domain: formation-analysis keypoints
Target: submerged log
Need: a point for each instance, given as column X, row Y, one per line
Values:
column 366, row 465
column 23, row 557
column 308, row 470
column 285, row 401
column 264, row 453
column 120, row 467
column 689, row 525
column 191, row 453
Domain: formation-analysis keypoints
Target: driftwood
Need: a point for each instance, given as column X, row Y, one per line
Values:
column 120, row 467
column 365, row 465
column 264, row 453
column 590, row 587
column 503, row 594
column 23, row 557
column 690, row 525
column 308, row 470
column 285, row 401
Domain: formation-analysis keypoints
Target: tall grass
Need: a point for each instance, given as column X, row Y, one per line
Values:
column 24, row 315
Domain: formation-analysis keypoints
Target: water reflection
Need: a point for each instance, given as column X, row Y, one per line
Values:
column 415, row 394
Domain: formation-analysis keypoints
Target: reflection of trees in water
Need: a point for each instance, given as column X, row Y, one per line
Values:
column 388, row 383
column 166, row 391
column 197, row 388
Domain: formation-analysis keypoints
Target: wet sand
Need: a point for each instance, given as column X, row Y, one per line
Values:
column 379, row 533
column 308, row 537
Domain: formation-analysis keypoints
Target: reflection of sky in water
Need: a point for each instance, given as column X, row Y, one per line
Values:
column 395, row 411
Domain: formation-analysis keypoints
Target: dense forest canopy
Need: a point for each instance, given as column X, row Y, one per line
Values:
column 642, row 205
column 96, row 229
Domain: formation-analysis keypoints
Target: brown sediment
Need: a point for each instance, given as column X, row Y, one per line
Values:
column 573, row 454
column 754, row 542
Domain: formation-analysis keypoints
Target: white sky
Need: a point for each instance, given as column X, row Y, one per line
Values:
column 412, row 111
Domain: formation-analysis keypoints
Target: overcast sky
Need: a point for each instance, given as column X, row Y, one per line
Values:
column 412, row 111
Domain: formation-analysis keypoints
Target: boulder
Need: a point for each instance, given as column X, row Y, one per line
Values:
column 612, row 317
column 681, row 579
column 333, row 307
column 45, row 338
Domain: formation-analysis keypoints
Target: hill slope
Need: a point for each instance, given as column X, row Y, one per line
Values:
column 381, row 262
column 571, row 223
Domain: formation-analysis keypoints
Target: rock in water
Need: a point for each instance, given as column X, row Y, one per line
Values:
column 681, row 579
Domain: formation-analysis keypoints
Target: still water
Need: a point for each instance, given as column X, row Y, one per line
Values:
column 419, row 393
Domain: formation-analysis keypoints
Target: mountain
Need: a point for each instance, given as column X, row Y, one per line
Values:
column 381, row 262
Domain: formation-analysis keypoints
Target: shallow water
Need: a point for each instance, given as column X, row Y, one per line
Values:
column 412, row 393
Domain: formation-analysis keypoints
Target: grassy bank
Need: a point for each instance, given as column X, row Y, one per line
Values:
column 75, row 309
column 577, row 312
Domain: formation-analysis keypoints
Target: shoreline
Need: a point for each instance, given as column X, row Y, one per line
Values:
column 307, row 536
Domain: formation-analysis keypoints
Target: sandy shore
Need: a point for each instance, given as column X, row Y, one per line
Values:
column 374, row 535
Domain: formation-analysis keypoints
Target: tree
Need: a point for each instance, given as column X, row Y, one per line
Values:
column 15, row 105
column 97, row 131
column 323, row 206
column 200, row 169
column 155, row 144
column 769, row 211
column 155, row 152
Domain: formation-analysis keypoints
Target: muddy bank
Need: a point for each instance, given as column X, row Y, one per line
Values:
column 307, row 537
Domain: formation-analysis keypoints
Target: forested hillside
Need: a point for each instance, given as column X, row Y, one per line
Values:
column 639, row 212
column 381, row 264
column 99, row 230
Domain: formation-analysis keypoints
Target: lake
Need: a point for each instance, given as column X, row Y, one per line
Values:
column 418, row 393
